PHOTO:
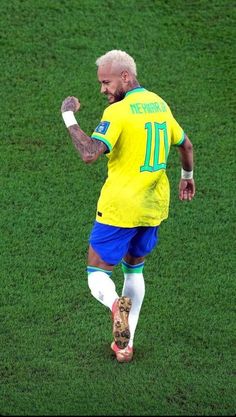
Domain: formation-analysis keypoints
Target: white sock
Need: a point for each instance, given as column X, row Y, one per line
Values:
column 134, row 287
column 102, row 288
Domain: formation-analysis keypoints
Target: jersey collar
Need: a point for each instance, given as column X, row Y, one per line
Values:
column 135, row 90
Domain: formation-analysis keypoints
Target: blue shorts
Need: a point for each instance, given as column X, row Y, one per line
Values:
column 112, row 243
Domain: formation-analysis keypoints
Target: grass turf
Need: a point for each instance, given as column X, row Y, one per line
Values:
column 55, row 355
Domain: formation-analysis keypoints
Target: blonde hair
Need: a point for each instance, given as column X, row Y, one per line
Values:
column 119, row 59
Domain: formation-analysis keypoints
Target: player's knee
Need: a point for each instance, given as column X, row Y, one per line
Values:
column 133, row 260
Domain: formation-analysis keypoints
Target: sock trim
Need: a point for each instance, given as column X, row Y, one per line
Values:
column 91, row 269
column 132, row 269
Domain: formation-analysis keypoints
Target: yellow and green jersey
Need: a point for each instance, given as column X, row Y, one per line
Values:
column 138, row 132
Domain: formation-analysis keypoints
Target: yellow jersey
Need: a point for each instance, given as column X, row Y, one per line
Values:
column 138, row 132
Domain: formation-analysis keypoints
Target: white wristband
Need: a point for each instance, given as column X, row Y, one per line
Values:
column 69, row 118
column 186, row 175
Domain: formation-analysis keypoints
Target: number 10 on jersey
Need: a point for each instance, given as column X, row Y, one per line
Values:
column 157, row 153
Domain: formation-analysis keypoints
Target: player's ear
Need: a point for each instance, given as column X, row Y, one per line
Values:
column 125, row 76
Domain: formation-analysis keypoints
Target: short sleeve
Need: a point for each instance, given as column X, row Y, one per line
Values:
column 109, row 128
column 177, row 133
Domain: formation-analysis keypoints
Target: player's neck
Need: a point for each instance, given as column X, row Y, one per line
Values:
column 132, row 85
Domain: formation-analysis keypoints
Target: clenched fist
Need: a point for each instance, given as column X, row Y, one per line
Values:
column 70, row 104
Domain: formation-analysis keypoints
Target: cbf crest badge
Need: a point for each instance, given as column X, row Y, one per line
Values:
column 102, row 127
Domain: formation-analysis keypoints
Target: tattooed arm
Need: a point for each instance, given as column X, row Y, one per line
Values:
column 89, row 149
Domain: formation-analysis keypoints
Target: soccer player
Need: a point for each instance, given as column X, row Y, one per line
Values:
column 136, row 132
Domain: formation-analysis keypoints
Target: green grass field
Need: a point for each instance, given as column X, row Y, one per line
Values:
column 55, row 356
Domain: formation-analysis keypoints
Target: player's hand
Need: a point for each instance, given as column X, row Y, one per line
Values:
column 186, row 189
column 70, row 104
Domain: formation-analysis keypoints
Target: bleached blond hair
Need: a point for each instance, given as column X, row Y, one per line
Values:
column 118, row 59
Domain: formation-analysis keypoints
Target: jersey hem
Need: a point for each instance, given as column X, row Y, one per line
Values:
column 129, row 225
